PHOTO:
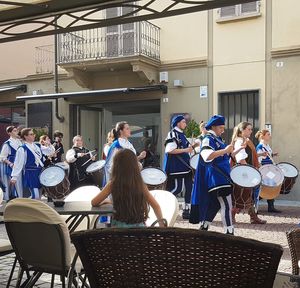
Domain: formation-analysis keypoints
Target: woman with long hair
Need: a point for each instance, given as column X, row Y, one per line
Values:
column 247, row 156
column 121, row 134
column 129, row 194
column 264, row 137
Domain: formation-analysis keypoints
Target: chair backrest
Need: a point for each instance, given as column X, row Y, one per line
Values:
column 168, row 204
column 175, row 257
column 84, row 193
column 38, row 235
column 293, row 237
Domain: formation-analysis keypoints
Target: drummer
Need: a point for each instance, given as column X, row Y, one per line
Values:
column 240, row 137
column 199, row 139
column 48, row 150
column 212, row 187
column 8, row 155
column 177, row 163
column 58, row 146
column 28, row 163
column 264, row 138
column 79, row 159
column 121, row 134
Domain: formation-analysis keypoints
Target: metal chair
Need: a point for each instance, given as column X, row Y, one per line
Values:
column 293, row 237
column 40, row 239
column 6, row 249
column 175, row 257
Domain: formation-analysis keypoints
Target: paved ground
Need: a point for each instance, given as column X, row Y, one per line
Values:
column 273, row 231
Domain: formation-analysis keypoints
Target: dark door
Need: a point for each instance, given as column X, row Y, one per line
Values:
column 238, row 107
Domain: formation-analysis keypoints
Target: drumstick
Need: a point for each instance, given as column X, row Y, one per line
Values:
column 88, row 161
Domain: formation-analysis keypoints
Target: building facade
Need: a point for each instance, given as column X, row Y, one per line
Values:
column 241, row 61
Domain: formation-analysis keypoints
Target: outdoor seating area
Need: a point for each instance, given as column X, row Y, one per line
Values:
column 135, row 257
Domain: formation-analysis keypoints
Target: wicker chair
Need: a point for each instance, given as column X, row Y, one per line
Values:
column 174, row 257
column 293, row 237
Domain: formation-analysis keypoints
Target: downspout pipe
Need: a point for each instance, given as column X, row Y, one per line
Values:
column 59, row 117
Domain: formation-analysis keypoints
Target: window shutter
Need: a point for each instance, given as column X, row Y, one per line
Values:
column 249, row 7
column 228, row 11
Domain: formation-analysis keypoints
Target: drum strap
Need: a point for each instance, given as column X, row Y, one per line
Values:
column 227, row 177
column 183, row 162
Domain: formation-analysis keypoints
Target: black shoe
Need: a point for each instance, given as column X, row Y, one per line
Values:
column 203, row 227
column 186, row 214
column 273, row 210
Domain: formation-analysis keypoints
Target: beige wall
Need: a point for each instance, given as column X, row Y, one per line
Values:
column 286, row 23
column 185, row 99
column 18, row 58
column 285, row 114
column 183, row 37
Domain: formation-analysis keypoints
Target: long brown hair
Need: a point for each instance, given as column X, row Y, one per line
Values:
column 128, row 189
column 119, row 127
column 237, row 132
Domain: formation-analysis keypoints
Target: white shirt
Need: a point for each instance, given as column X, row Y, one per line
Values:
column 172, row 145
column 70, row 156
column 47, row 150
column 207, row 152
column 106, row 149
column 15, row 143
column 21, row 158
column 241, row 155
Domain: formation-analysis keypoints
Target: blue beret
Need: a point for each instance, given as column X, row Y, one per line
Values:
column 215, row 120
column 176, row 120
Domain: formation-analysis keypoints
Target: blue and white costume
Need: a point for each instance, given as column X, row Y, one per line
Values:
column 177, row 166
column 261, row 148
column 212, row 185
column 29, row 164
column 119, row 143
column 8, row 153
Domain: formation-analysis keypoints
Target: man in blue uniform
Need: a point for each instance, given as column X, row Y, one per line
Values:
column 177, row 162
column 212, row 187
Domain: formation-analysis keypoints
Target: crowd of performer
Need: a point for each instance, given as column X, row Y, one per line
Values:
column 207, row 190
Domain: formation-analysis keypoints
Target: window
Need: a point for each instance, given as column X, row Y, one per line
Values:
column 246, row 9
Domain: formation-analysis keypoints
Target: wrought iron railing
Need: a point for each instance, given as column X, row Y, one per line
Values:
column 44, row 59
column 141, row 38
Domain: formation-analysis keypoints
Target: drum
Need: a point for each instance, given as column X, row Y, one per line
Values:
column 290, row 173
column 194, row 161
column 65, row 166
column 55, row 182
column 96, row 169
column 272, row 178
column 245, row 179
column 154, row 178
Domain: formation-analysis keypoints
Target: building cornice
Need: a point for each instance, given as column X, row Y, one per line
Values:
column 184, row 64
column 285, row 52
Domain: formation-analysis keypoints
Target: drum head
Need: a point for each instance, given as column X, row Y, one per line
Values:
column 95, row 166
column 272, row 175
column 245, row 176
column 288, row 169
column 52, row 176
column 194, row 161
column 153, row 176
column 63, row 165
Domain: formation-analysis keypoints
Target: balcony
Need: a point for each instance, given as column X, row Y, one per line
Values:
column 44, row 59
column 115, row 42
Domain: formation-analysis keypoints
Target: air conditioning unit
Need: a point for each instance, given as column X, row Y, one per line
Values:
column 178, row 83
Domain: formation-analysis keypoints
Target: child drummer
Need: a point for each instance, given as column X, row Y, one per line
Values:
column 264, row 137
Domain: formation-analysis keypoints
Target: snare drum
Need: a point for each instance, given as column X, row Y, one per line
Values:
column 272, row 178
column 96, row 169
column 65, row 166
column 194, row 161
column 245, row 179
column 55, row 182
column 154, row 178
column 290, row 173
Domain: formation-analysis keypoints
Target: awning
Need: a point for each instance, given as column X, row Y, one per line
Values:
column 21, row 87
column 162, row 88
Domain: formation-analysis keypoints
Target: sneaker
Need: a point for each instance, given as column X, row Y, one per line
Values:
column 186, row 214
